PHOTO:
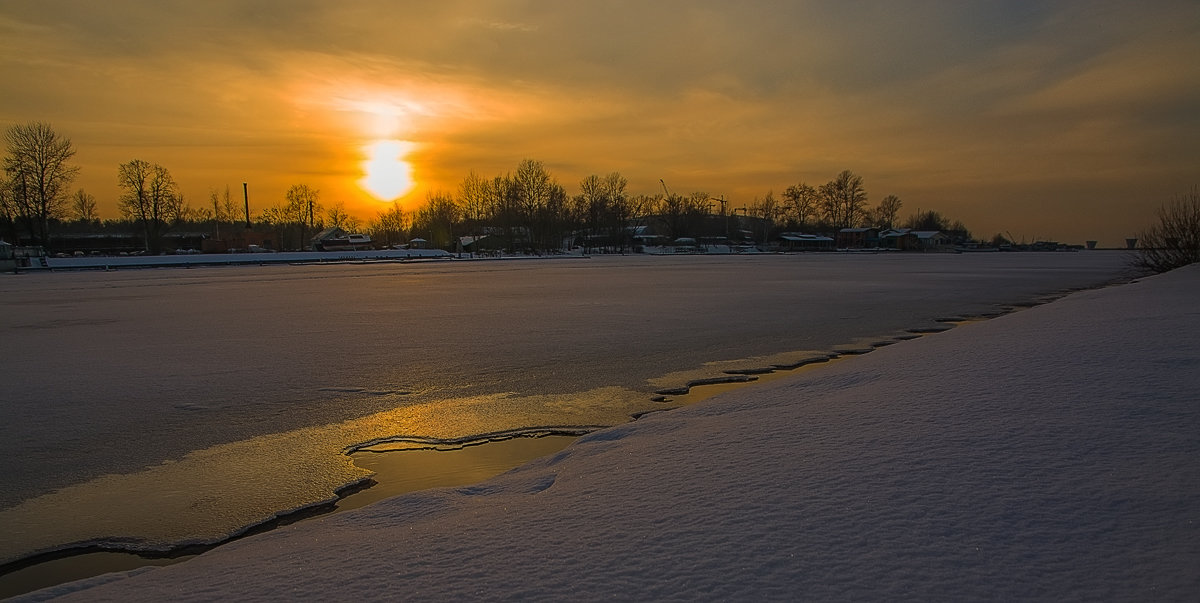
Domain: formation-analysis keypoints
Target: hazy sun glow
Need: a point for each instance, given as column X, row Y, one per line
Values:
column 387, row 175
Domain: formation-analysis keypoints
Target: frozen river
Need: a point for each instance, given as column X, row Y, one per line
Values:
column 149, row 408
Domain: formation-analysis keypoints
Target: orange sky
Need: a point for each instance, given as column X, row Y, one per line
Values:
column 1063, row 120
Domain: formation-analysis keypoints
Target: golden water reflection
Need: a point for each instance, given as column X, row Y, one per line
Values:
column 397, row 472
column 76, row 567
column 449, row 456
column 402, row 471
column 210, row 495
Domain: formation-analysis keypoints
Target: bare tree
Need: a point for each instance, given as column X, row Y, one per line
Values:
column 1175, row 240
column 887, row 211
column 928, row 220
column 303, row 207
column 230, row 208
column 620, row 208
column 768, row 209
column 801, row 204
column 390, row 225
column 542, row 203
column 276, row 217
column 602, row 209
column 592, row 207
column 503, row 196
column 150, row 198
column 224, row 208
column 844, row 200
column 38, row 175
column 476, row 203
column 8, row 210
column 436, row 219
column 336, row 217
column 218, row 211
column 672, row 212
column 83, row 207
column 615, row 184
column 214, row 199
column 534, row 187
column 187, row 213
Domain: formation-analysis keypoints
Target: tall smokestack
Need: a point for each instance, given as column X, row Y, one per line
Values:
column 246, row 196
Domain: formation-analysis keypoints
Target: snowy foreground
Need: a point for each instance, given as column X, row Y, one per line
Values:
column 1049, row 454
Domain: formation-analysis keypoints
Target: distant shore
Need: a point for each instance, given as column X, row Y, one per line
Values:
column 185, row 260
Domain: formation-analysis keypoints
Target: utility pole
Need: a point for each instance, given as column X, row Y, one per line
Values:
column 246, row 196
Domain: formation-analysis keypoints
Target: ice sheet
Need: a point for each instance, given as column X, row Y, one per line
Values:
column 1048, row 454
column 240, row 387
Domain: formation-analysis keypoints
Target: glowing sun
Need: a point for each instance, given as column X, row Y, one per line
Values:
column 388, row 175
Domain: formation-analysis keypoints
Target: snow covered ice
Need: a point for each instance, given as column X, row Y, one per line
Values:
column 1048, row 454
column 242, row 388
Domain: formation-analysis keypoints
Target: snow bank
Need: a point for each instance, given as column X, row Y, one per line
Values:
column 1048, row 454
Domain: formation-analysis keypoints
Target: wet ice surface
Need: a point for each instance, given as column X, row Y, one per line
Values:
column 1046, row 455
column 201, row 401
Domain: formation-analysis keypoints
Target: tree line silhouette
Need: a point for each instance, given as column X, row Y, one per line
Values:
column 526, row 209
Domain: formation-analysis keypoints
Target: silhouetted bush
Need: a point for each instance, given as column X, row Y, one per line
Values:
column 1175, row 240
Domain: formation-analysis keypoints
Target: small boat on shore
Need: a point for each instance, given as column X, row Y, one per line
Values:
column 350, row 242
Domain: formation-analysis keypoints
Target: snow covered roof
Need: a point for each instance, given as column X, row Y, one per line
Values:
column 799, row 237
column 928, row 234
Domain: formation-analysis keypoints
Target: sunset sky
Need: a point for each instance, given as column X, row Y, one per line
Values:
column 1053, row 120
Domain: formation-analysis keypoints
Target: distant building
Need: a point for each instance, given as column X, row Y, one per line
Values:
column 932, row 240
column 644, row 236
column 116, row 243
column 857, row 238
column 798, row 241
column 14, row 257
column 238, row 240
column 482, row 243
column 685, row 245
column 7, row 262
column 900, row 239
column 904, row 239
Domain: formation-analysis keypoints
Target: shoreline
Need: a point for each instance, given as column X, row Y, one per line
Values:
column 413, row 256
